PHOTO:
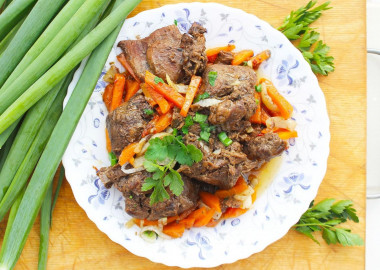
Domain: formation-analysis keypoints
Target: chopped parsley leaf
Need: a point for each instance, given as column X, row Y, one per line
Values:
column 175, row 22
column 258, row 88
column 212, row 75
column 201, row 97
column 148, row 111
column 158, row 80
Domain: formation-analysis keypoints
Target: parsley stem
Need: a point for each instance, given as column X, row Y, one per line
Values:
column 312, row 224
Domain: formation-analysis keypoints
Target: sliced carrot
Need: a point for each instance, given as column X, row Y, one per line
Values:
column 108, row 142
column 158, row 98
column 148, row 96
column 241, row 56
column 127, row 154
column 210, row 200
column 259, row 58
column 216, row 50
column 198, row 213
column 204, row 220
column 256, row 117
column 107, row 96
column 174, row 229
column 285, row 135
column 188, row 222
column 123, row 61
column 212, row 58
column 118, row 91
column 167, row 91
column 286, row 109
column 264, row 115
column 239, row 187
column 213, row 222
column 233, row 212
column 158, row 123
column 190, row 94
column 132, row 88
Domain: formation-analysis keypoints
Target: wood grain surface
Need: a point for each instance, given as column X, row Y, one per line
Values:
column 76, row 243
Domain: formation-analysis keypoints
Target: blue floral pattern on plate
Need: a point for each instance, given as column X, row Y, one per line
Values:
column 275, row 210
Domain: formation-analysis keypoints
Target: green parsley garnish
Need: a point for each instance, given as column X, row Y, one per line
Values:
column 245, row 63
column 258, row 88
column 168, row 149
column 200, row 118
column 113, row 158
column 324, row 216
column 224, row 139
column 175, row 22
column 188, row 122
column 296, row 27
column 212, row 75
column 158, row 80
column 201, row 97
column 175, row 132
column 148, row 111
column 257, row 101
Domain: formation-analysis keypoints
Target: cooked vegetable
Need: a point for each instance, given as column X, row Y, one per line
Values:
column 267, row 100
column 242, row 56
column 45, row 215
column 264, row 115
column 124, row 63
column 201, row 97
column 148, row 96
column 204, row 220
column 107, row 96
column 212, row 75
column 233, row 212
column 108, row 142
column 259, row 58
column 51, row 31
column 239, row 187
column 198, row 214
column 118, row 90
column 279, row 122
column 127, row 154
column 324, row 216
column 132, row 88
column 284, row 107
column 65, row 64
column 256, row 117
column 64, row 129
column 110, row 74
column 296, row 26
column 190, row 94
column 174, row 230
column 157, row 98
column 162, row 88
column 12, row 14
column 188, row 222
column 213, row 53
column 285, row 135
column 113, row 158
column 27, row 159
column 210, row 200
column 169, row 149
column 224, row 138
column 30, row 30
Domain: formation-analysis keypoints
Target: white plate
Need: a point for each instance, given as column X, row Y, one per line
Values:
column 279, row 206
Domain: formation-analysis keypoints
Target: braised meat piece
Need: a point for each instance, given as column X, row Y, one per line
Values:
column 264, row 147
column 224, row 58
column 194, row 55
column 221, row 166
column 126, row 123
column 146, row 54
column 234, row 85
column 137, row 202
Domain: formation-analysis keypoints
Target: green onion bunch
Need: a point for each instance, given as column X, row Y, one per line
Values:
column 42, row 42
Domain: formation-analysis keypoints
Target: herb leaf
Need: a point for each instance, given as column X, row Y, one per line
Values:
column 176, row 22
column 212, row 75
column 148, row 111
column 324, row 216
column 201, row 97
column 188, row 122
column 158, row 80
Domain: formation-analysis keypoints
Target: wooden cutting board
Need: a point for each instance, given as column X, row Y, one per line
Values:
column 76, row 243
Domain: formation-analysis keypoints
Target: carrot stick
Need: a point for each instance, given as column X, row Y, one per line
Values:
column 286, row 109
column 124, row 63
column 216, row 50
column 204, row 220
column 188, row 222
column 162, row 88
column 212, row 58
column 107, row 96
column 242, row 56
column 239, row 187
column 127, row 154
column 210, row 200
column 285, row 135
column 174, row 229
column 190, row 94
column 264, row 115
column 259, row 58
column 108, row 142
column 213, row 222
column 157, row 97
column 118, row 91
column 198, row 213
column 132, row 88
column 148, row 96
column 256, row 117
column 234, row 212
column 158, row 124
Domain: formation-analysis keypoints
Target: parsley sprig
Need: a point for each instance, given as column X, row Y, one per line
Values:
column 168, row 150
column 324, row 216
column 296, row 27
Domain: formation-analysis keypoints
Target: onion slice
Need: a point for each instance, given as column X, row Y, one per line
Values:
column 208, row 102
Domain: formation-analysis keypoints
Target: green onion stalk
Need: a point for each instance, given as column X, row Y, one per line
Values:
column 54, row 150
